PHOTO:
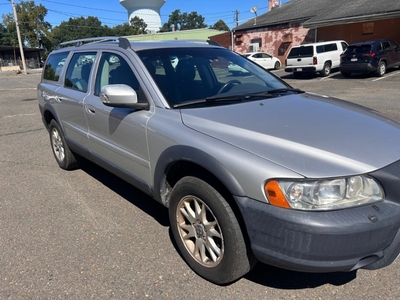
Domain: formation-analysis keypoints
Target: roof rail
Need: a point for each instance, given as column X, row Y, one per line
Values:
column 210, row 42
column 123, row 42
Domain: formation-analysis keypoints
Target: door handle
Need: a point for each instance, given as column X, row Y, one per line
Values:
column 60, row 99
column 90, row 109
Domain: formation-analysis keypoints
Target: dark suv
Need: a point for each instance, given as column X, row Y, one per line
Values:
column 372, row 56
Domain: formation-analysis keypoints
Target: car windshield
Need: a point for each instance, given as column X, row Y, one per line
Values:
column 187, row 75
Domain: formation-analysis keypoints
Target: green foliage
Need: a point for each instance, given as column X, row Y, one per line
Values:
column 220, row 25
column 32, row 23
column 8, row 35
column 139, row 25
column 124, row 30
column 183, row 21
column 78, row 28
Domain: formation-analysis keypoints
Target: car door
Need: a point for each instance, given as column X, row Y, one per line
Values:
column 70, row 97
column 267, row 61
column 394, row 54
column 263, row 59
column 117, row 136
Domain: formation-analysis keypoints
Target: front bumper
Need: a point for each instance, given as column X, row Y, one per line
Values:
column 328, row 241
column 342, row 240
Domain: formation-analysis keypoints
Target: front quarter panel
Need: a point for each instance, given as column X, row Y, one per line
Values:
column 243, row 173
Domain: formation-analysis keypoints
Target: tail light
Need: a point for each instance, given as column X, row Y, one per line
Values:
column 285, row 61
column 371, row 54
column 314, row 60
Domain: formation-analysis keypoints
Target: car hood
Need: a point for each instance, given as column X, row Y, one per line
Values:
column 312, row 135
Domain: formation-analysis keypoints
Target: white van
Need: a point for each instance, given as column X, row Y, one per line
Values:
column 315, row 57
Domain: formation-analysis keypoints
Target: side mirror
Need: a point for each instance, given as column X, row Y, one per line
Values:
column 121, row 95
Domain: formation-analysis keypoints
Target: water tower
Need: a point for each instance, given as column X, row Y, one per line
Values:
column 148, row 10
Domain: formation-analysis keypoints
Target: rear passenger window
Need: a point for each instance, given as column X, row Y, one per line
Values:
column 78, row 71
column 386, row 45
column 54, row 65
column 326, row 48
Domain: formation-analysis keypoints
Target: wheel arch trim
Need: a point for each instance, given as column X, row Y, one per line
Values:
column 198, row 157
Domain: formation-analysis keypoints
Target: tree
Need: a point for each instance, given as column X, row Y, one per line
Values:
column 79, row 28
column 220, row 25
column 185, row 21
column 124, row 30
column 192, row 21
column 139, row 25
column 8, row 35
column 34, row 29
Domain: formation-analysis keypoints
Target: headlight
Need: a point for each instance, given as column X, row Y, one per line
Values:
column 323, row 194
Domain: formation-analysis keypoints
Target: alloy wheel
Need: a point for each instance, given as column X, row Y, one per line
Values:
column 199, row 231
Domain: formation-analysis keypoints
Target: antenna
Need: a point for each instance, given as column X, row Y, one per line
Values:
column 254, row 10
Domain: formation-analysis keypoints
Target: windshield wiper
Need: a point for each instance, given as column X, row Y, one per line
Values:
column 284, row 90
column 210, row 100
column 273, row 92
column 237, row 98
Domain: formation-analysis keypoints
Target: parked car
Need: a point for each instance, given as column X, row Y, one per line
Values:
column 319, row 57
column 265, row 60
column 370, row 57
column 250, row 169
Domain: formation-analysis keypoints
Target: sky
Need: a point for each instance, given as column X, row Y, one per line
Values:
column 111, row 13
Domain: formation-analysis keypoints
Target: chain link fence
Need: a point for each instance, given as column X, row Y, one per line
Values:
column 30, row 63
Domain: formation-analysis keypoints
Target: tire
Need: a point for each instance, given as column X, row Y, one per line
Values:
column 63, row 155
column 326, row 70
column 381, row 70
column 346, row 74
column 277, row 65
column 207, row 232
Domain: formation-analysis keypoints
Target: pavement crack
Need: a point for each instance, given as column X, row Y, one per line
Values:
column 17, row 163
column 22, row 132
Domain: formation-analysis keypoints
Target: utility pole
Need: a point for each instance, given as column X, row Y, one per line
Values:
column 21, row 49
column 237, row 18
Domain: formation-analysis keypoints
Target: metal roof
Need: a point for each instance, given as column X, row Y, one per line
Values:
column 317, row 13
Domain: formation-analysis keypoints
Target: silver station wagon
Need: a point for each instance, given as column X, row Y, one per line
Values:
column 250, row 168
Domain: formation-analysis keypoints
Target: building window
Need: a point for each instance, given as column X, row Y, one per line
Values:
column 257, row 41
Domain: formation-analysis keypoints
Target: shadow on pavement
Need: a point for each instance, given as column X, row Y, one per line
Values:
column 285, row 279
column 128, row 192
column 262, row 274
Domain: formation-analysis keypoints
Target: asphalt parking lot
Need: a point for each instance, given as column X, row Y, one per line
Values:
column 86, row 234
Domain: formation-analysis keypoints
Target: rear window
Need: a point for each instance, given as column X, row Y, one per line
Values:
column 306, row 51
column 54, row 65
column 358, row 49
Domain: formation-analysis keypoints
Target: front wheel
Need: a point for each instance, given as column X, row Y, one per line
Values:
column 207, row 232
column 277, row 65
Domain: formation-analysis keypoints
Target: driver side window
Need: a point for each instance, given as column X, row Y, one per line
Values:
column 113, row 69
